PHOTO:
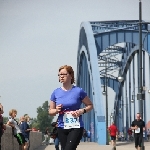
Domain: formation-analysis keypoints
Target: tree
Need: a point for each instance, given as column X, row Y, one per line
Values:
column 34, row 123
column 43, row 120
column 5, row 120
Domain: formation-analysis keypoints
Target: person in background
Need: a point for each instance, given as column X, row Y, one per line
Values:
column 138, row 125
column 27, row 118
column 122, row 136
column 25, row 129
column 84, row 135
column 46, row 135
column 130, row 138
column 148, row 134
column 88, row 135
column 66, row 102
column 21, row 120
column 2, row 125
column 38, row 130
column 16, row 129
column 55, row 135
column 113, row 131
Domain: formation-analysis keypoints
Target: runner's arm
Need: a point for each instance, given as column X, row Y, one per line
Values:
column 53, row 109
column 133, row 127
column 88, row 104
column 143, row 126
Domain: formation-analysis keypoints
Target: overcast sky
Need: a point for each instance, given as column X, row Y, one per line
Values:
column 38, row 36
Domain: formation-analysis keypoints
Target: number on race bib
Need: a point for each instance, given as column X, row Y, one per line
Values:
column 67, row 120
column 75, row 120
column 70, row 121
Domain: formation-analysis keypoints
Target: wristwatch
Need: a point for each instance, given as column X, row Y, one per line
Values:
column 84, row 111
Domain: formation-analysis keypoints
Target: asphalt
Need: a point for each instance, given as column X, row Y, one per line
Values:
column 95, row 146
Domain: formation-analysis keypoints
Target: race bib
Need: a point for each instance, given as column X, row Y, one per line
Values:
column 137, row 130
column 70, row 121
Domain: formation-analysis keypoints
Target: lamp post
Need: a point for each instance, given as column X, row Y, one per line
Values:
column 127, row 114
column 105, row 92
column 140, row 60
column 111, row 116
column 104, row 72
column 140, row 95
column 107, row 142
column 133, row 101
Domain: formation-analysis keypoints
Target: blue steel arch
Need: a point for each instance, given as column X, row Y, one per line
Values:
column 86, row 43
column 125, row 68
column 92, row 41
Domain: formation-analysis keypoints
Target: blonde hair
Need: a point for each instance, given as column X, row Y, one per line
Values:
column 12, row 111
column 70, row 71
column 26, row 118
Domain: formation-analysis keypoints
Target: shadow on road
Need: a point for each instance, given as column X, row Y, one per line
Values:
column 42, row 147
column 124, row 143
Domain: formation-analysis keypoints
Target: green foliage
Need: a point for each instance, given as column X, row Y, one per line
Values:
column 43, row 119
column 5, row 120
column 34, row 123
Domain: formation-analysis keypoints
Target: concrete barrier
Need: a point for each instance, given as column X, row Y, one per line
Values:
column 10, row 143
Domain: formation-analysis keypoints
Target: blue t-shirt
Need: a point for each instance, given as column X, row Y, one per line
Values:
column 71, row 101
column 24, row 126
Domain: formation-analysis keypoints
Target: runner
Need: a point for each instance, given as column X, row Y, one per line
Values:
column 138, row 125
column 66, row 102
column 113, row 131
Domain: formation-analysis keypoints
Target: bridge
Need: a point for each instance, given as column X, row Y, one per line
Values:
column 108, row 70
column 106, row 50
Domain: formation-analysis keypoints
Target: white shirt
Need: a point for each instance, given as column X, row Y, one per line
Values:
column 15, row 123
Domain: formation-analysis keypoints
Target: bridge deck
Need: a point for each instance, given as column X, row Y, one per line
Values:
column 95, row 146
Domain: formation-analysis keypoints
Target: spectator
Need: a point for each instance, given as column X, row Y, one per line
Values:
column 21, row 120
column 2, row 125
column 27, row 118
column 84, row 135
column 25, row 130
column 122, row 136
column 148, row 134
column 89, row 135
column 55, row 135
column 38, row 130
column 66, row 101
column 16, row 129
column 113, row 131
column 130, row 137
column 51, row 139
column 46, row 134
